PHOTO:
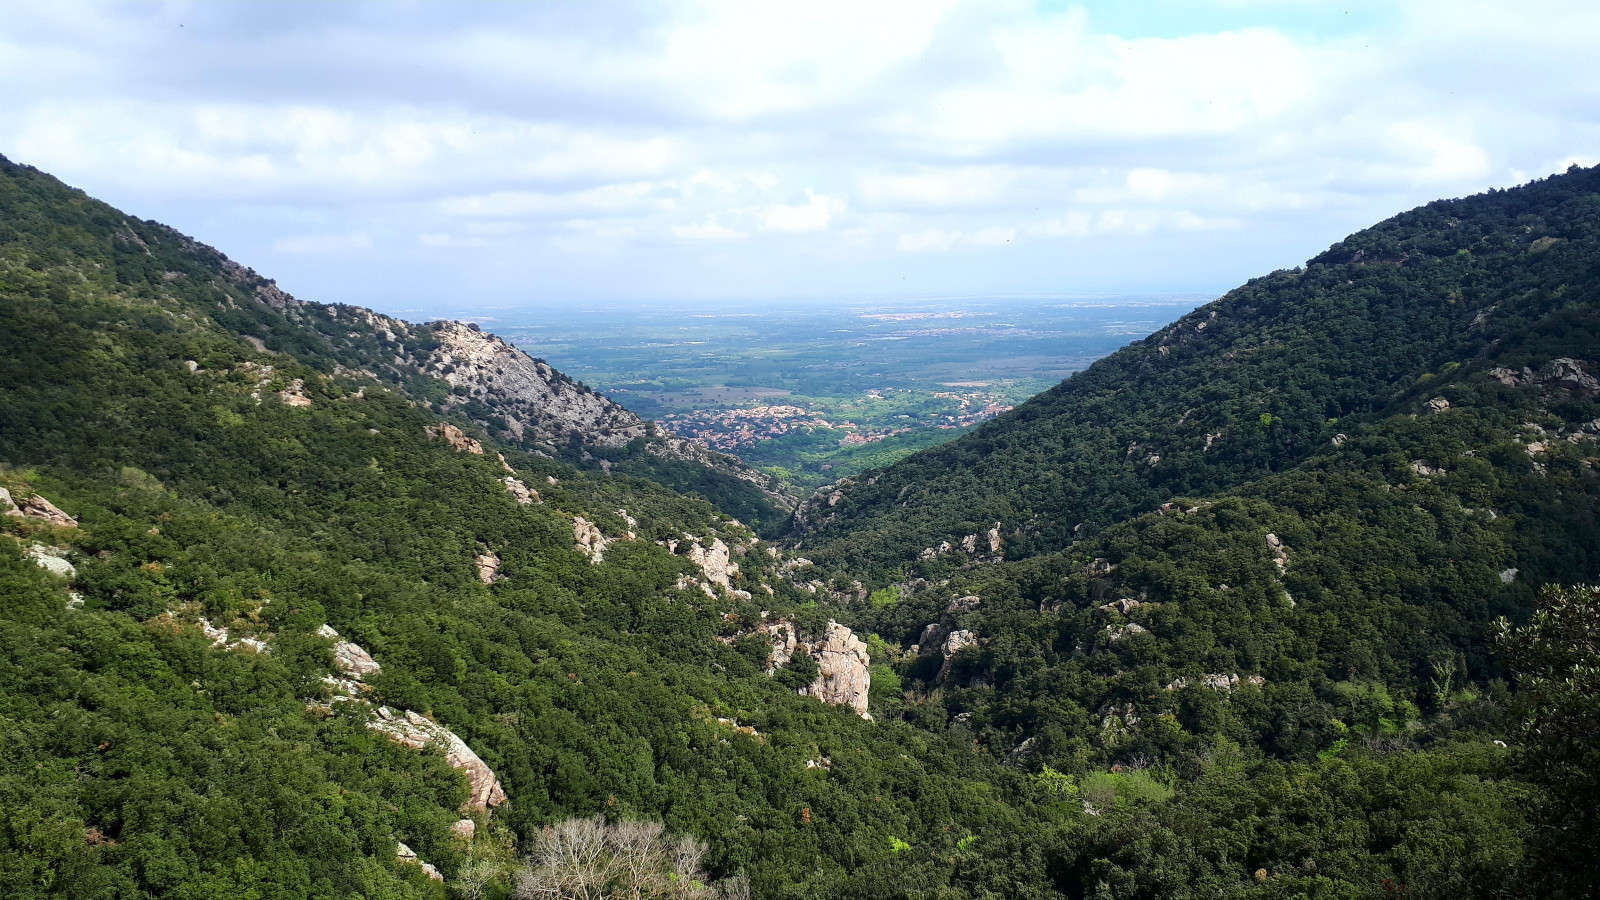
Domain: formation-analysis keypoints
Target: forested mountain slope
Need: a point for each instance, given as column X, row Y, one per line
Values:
column 272, row 626
column 454, row 368
column 1248, row 385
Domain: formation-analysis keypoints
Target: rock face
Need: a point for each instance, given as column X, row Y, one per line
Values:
column 714, row 561
column 35, row 507
column 538, row 403
column 350, row 658
column 842, row 676
column 455, row 437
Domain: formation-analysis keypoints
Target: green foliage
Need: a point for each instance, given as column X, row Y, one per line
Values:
column 886, row 596
column 1322, row 710
column 1556, row 657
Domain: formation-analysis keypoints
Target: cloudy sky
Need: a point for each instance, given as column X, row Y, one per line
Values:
column 410, row 156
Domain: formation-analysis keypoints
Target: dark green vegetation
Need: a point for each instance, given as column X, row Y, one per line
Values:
column 1314, row 713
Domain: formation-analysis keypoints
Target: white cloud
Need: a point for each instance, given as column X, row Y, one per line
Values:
column 512, row 136
column 707, row 231
column 812, row 215
column 931, row 239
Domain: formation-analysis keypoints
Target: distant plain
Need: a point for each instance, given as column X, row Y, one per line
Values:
column 817, row 391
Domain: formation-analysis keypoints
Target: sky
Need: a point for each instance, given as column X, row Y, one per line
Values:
column 414, row 156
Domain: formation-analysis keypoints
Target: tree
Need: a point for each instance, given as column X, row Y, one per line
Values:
column 1556, row 657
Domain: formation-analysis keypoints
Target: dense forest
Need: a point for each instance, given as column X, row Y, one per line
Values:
column 1284, row 601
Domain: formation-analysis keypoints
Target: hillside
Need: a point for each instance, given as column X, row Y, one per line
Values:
column 455, row 368
column 290, row 614
column 1251, row 384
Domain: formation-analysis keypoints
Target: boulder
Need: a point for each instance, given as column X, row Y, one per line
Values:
column 464, row 829
column 36, row 507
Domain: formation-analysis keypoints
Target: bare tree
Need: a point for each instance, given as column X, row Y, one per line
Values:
column 586, row 859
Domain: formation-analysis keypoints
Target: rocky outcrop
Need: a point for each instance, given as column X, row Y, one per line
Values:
column 523, row 494
column 714, row 562
column 589, row 539
column 488, row 565
column 35, row 507
column 295, row 394
column 1217, row 682
column 1280, row 553
column 52, row 560
column 455, row 437
column 418, row 732
column 539, row 404
column 407, row 855
column 1564, row 373
column 963, row 605
column 350, row 658
column 954, row 643
column 842, row 675
column 409, row 728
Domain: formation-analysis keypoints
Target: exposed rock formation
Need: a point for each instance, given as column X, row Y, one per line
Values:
column 295, row 394
column 464, row 829
column 523, row 494
column 538, row 403
column 488, row 567
column 409, row 728
column 714, row 561
column 1280, row 553
column 407, row 855
column 350, row 658
column 589, row 539
column 1217, row 682
column 1116, row 633
column 52, row 560
column 35, row 507
column 1124, row 606
column 954, row 643
column 455, row 437
column 417, row 732
column 842, row 676
column 963, row 605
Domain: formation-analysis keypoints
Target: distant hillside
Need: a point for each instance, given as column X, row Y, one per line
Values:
column 455, row 368
column 1249, row 385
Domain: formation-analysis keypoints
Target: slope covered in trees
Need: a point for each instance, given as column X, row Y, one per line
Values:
column 1249, row 385
column 1275, row 675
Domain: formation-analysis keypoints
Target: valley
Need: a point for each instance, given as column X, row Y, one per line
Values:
column 816, row 391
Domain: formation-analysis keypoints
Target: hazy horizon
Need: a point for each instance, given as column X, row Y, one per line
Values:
column 476, row 156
